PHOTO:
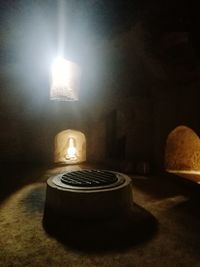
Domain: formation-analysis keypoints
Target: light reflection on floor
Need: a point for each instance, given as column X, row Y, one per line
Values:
column 193, row 175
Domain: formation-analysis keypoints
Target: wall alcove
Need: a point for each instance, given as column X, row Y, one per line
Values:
column 182, row 153
column 70, row 147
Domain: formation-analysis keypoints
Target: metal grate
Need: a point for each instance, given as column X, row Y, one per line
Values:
column 89, row 178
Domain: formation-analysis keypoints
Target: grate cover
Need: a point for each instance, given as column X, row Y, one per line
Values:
column 89, row 178
column 88, row 195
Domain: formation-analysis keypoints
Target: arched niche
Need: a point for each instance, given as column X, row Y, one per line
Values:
column 70, row 147
column 182, row 153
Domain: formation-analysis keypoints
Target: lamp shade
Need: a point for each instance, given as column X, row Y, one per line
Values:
column 65, row 80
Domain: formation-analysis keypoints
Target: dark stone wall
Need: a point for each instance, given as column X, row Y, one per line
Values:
column 137, row 85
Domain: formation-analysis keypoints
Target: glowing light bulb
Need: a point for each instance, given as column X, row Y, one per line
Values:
column 71, row 150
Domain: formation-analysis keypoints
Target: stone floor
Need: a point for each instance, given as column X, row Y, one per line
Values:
column 172, row 201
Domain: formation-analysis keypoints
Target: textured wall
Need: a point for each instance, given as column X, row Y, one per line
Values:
column 182, row 150
column 132, row 74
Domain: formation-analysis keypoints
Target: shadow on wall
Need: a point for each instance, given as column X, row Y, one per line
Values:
column 182, row 153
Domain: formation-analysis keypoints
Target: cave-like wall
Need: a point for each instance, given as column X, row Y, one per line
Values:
column 138, row 83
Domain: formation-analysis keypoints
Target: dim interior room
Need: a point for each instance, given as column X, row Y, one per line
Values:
column 100, row 149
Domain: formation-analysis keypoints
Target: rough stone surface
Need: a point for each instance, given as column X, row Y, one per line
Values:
column 133, row 73
column 182, row 150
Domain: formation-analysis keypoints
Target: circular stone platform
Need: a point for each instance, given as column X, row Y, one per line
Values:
column 88, row 194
